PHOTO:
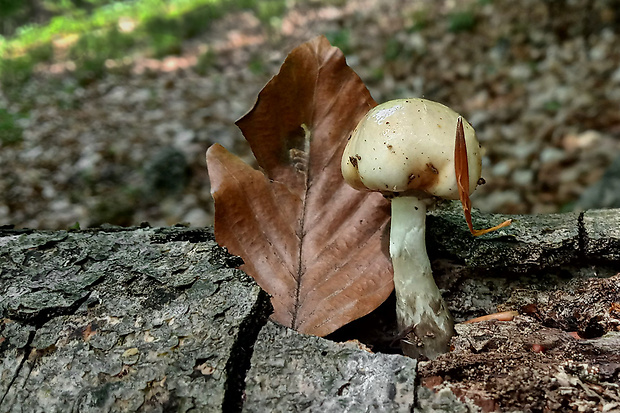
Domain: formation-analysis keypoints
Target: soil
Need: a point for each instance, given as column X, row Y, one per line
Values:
column 561, row 353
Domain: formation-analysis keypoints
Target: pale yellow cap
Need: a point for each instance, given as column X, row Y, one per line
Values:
column 407, row 145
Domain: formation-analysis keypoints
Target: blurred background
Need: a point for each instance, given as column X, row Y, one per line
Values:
column 107, row 107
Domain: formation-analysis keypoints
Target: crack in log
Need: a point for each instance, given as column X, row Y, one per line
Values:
column 417, row 383
column 193, row 235
column 38, row 320
column 26, row 356
column 582, row 235
column 42, row 316
column 241, row 353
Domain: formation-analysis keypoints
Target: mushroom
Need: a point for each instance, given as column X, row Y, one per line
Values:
column 405, row 149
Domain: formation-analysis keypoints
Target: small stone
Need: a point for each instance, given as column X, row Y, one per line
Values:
column 523, row 177
column 197, row 217
column 551, row 154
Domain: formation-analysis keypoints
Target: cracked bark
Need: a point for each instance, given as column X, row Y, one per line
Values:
column 158, row 319
column 124, row 320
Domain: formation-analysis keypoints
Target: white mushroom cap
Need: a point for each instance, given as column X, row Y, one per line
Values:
column 407, row 145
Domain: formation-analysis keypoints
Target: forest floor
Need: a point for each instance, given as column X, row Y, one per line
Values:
column 537, row 362
column 540, row 82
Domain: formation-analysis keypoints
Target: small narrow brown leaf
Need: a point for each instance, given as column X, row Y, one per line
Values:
column 308, row 239
column 461, row 168
column 503, row 316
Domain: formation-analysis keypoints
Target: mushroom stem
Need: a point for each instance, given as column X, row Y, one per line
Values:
column 422, row 315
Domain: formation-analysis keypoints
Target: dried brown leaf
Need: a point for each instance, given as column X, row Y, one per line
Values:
column 461, row 167
column 308, row 239
column 503, row 316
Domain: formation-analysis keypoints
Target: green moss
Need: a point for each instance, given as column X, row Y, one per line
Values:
column 419, row 20
column 461, row 21
column 10, row 132
column 340, row 39
column 377, row 74
column 15, row 72
column 256, row 66
column 206, row 61
column 393, row 48
column 164, row 44
column 198, row 21
column 93, row 49
column 161, row 27
column 268, row 10
column 552, row 106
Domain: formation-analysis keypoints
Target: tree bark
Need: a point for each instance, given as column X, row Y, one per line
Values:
column 158, row 319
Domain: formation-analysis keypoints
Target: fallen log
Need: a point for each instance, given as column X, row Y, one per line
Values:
column 158, row 319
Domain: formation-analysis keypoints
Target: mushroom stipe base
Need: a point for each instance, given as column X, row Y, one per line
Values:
column 422, row 315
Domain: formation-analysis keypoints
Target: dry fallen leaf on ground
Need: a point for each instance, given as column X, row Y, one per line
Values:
column 309, row 240
column 462, row 180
